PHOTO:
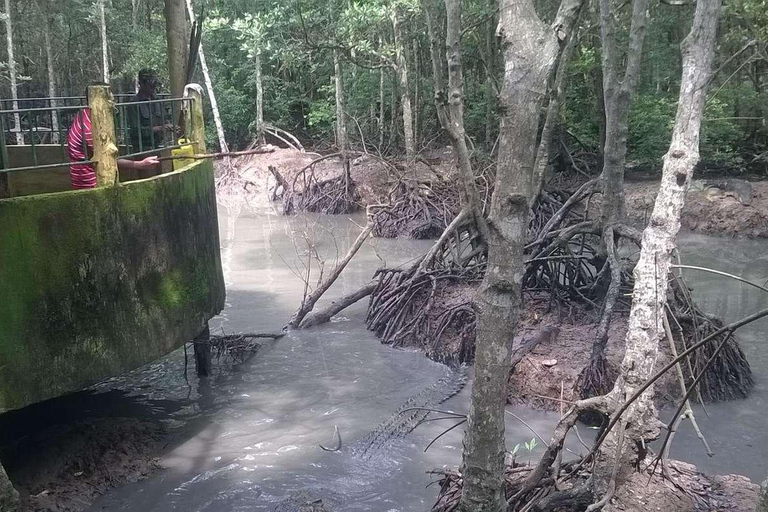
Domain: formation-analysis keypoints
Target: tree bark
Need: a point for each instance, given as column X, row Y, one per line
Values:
column 223, row 146
column 401, row 67
column 177, row 39
column 618, row 96
column 104, row 51
column 530, row 50
column 12, row 73
column 543, row 154
column 381, row 106
column 51, row 76
column 490, row 73
column 341, row 103
column 645, row 328
column 9, row 498
column 259, row 99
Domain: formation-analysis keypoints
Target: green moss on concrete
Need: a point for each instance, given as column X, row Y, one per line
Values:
column 98, row 282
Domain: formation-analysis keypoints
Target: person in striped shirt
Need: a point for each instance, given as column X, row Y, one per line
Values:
column 80, row 148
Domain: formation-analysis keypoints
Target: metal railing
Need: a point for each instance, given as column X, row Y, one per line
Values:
column 142, row 128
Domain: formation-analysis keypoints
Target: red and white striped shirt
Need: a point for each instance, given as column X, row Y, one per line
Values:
column 82, row 175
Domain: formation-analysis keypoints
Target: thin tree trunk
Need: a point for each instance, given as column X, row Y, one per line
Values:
column 104, row 52
column 402, row 73
column 177, row 40
column 645, row 329
column 12, row 73
column 135, row 15
column 341, row 103
column 381, row 106
column 51, row 78
column 259, row 99
column 618, row 96
column 9, row 497
column 393, row 120
column 209, row 86
column 530, row 50
column 543, row 154
column 490, row 73
column 417, row 90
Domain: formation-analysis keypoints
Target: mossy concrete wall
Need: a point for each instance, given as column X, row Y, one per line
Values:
column 98, row 282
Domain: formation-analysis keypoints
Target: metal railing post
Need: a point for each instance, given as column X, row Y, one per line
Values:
column 194, row 117
column 102, row 107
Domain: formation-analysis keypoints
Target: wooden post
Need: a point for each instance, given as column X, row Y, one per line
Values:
column 102, row 106
column 194, row 118
column 202, row 344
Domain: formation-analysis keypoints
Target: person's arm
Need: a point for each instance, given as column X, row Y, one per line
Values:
column 149, row 163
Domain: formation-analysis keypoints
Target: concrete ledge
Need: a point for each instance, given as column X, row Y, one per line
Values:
column 98, row 282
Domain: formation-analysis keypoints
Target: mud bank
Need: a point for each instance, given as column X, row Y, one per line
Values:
column 720, row 214
column 64, row 453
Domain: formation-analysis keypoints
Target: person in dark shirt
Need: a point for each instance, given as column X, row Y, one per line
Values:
column 148, row 121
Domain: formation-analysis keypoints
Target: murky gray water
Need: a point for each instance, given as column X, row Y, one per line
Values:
column 248, row 437
column 736, row 430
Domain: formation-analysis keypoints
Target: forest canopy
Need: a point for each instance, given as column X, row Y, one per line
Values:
column 295, row 41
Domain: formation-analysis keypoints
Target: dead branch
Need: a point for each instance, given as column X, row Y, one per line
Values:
column 309, row 300
column 325, row 315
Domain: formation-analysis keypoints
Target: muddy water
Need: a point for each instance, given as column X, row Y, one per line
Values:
column 247, row 438
column 736, row 430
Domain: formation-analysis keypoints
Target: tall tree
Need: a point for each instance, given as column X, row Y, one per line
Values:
column 177, row 40
column 45, row 9
column 401, row 68
column 12, row 72
column 104, row 42
column 531, row 49
column 208, row 86
column 622, row 449
column 617, row 94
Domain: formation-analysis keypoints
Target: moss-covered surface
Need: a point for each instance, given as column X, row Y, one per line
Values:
column 97, row 282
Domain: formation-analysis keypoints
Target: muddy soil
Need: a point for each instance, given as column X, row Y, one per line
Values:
column 707, row 213
column 61, row 455
column 373, row 177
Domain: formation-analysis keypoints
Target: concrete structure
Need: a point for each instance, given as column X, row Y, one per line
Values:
column 98, row 282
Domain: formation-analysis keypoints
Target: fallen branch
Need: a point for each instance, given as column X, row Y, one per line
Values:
column 215, row 156
column 311, row 299
column 324, row 315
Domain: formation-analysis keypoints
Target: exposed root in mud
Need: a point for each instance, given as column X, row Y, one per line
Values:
column 648, row 490
column 331, row 196
column 416, row 210
column 573, row 260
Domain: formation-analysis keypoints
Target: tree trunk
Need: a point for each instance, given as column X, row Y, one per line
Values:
column 530, row 51
column 51, row 78
column 381, row 106
column 618, row 95
column 490, row 73
column 104, row 52
column 177, row 39
column 135, row 15
column 543, row 154
column 209, row 86
column 12, row 73
column 401, row 67
column 645, row 329
column 259, row 99
column 9, row 498
column 341, row 103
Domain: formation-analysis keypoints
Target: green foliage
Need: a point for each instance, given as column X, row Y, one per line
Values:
column 650, row 128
